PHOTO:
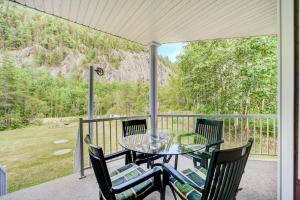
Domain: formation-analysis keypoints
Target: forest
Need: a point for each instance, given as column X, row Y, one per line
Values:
column 219, row 76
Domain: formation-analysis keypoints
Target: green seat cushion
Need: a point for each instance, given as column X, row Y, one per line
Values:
column 193, row 175
column 127, row 173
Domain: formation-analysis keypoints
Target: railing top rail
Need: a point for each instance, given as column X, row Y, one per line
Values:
column 113, row 118
column 221, row 115
column 183, row 115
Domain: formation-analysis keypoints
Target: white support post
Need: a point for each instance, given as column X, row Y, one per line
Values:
column 286, row 126
column 91, row 100
column 153, row 87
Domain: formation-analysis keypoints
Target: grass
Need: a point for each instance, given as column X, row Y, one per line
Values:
column 28, row 156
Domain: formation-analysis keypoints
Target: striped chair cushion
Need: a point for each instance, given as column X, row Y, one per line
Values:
column 127, row 173
column 196, row 176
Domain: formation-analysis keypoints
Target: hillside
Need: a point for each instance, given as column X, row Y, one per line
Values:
column 66, row 49
column 44, row 63
column 129, row 67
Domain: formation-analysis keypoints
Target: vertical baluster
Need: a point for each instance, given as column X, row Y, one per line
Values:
column 188, row 121
column 167, row 122
column 242, row 133
column 103, row 139
column 254, row 129
column 177, row 123
column 117, row 145
column 274, row 136
column 172, row 121
column 260, row 135
column 194, row 123
column 247, row 125
column 235, row 129
column 89, row 129
column 182, row 123
column 161, row 122
column 229, row 131
column 223, row 131
column 97, row 133
column 110, row 140
column 268, row 150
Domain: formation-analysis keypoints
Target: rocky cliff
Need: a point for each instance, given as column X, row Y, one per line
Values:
column 131, row 66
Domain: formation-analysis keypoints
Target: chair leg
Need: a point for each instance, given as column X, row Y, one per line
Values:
column 162, row 192
column 100, row 196
column 204, row 163
column 165, row 181
column 134, row 156
column 174, row 194
column 195, row 162
column 148, row 162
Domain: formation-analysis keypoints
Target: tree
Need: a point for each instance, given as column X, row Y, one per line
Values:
column 228, row 76
column 13, row 95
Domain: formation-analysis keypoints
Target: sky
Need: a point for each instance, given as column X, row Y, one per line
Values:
column 171, row 50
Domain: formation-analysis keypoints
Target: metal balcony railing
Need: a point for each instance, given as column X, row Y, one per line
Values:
column 236, row 130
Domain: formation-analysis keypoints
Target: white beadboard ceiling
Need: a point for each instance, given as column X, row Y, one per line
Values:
column 167, row 21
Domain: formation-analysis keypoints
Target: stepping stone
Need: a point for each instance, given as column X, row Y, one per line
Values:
column 62, row 152
column 61, row 141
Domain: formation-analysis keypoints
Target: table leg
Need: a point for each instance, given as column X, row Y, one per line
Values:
column 148, row 162
column 168, row 159
column 176, row 162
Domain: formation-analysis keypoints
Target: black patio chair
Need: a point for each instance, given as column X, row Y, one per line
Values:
column 212, row 130
column 220, row 182
column 127, row 182
column 138, row 126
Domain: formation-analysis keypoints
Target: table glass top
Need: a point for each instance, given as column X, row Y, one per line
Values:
column 166, row 142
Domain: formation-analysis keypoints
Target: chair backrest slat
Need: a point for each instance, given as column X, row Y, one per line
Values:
column 210, row 129
column 135, row 126
column 225, row 172
column 101, row 171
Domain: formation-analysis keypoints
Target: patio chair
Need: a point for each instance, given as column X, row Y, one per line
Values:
column 212, row 130
column 221, row 181
column 138, row 126
column 127, row 182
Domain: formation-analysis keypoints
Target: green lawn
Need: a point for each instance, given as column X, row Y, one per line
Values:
column 28, row 156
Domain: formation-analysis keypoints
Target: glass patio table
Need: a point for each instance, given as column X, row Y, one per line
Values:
column 166, row 143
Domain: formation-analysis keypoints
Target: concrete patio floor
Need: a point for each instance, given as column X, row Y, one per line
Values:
column 258, row 182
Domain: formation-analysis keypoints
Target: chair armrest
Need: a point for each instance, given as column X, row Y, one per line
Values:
column 167, row 168
column 117, row 154
column 214, row 143
column 156, row 171
column 186, row 134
